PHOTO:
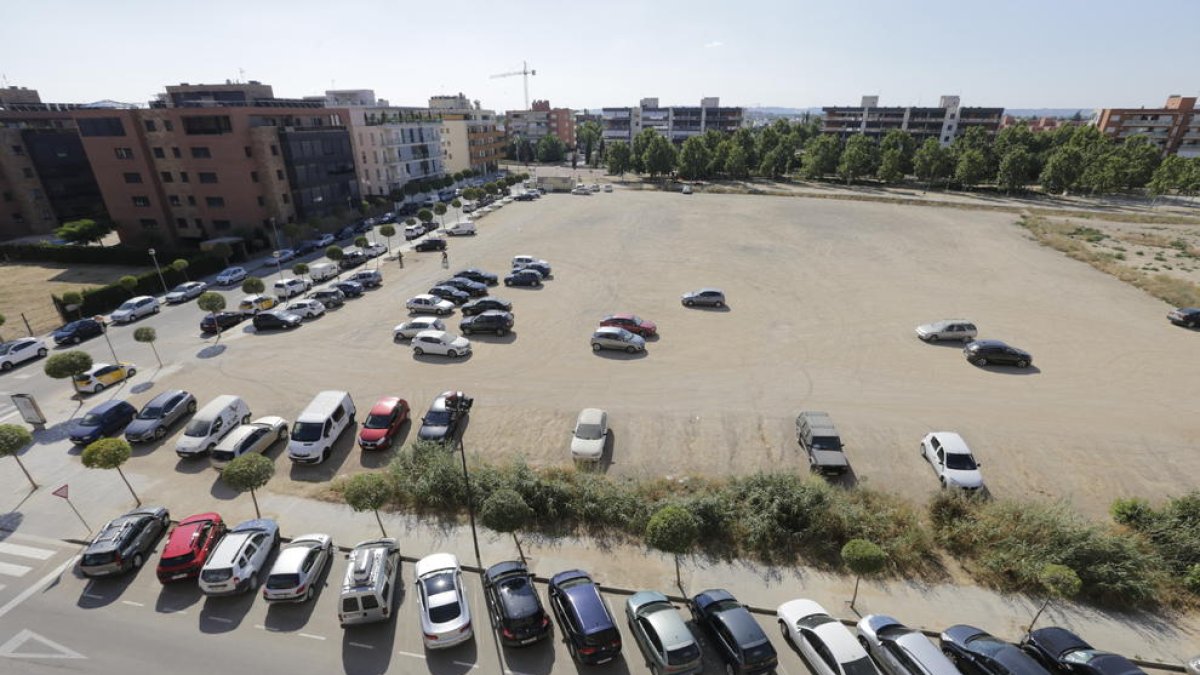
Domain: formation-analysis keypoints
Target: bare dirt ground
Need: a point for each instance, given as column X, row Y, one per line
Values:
column 27, row 287
column 824, row 296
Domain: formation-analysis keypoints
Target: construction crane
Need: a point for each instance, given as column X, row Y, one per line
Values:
column 524, row 71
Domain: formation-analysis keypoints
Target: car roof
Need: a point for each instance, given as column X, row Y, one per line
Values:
column 254, row 525
column 95, row 367
column 385, row 405
column 290, row 559
column 710, row 290
column 164, row 398
column 237, row 435
column 952, row 442
column 591, row 416
column 840, row 641
column 504, row 568
column 668, row 624
column 614, row 330
column 180, row 541
column 989, row 343
column 108, row 405
column 1057, row 641
column 439, row 335
column 436, row 562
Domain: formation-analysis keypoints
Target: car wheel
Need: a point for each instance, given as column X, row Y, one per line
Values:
column 132, row 372
column 210, row 448
column 159, row 433
column 137, row 561
column 728, row 669
column 506, row 283
column 688, row 303
column 324, row 455
column 98, row 388
column 981, row 362
column 75, row 340
column 943, row 482
column 1022, row 363
column 966, row 338
column 42, row 351
column 418, row 351
column 6, row 366
column 466, row 331
column 630, row 350
column 452, row 354
column 502, row 332
column 309, row 594
column 787, row 637
column 283, row 432
column 595, row 347
column 931, row 338
column 246, row 419
column 253, row 583
column 155, row 310
column 719, row 304
column 191, row 406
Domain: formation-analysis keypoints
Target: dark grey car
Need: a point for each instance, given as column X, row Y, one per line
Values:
column 123, row 543
column 330, row 297
column 159, row 414
column 705, row 297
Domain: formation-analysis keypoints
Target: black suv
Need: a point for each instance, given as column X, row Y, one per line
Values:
column 123, row 543
column 736, row 636
column 514, row 605
column 475, row 274
column 215, row 323
column 441, row 421
column 276, row 318
column 996, row 353
column 485, row 304
column 588, row 626
column 352, row 259
column 491, row 321
column 77, row 331
column 330, row 297
column 432, row 244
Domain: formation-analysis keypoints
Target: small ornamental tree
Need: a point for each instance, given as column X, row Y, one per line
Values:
column 369, row 492
column 148, row 335
column 68, row 364
column 300, row 269
column 1058, row 581
column 425, row 216
column 457, row 204
column 253, row 285
column 14, row 437
column 440, row 210
column 673, row 529
column 180, row 265
column 506, row 511
column 222, row 251
column 864, row 558
column 212, row 302
column 387, row 232
column 71, row 300
column 129, row 283
column 335, row 254
column 361, row 241
column 249, row 473
column 110, row 453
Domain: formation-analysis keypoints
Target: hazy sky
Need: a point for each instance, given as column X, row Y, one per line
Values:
column 795, row 53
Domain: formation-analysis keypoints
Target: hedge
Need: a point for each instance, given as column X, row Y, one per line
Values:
column 92, row 255
column 104, row 299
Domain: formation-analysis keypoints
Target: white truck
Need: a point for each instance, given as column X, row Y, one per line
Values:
column 462, row 227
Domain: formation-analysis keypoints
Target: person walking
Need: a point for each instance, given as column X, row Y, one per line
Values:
column 400, row 257
column 445, row 260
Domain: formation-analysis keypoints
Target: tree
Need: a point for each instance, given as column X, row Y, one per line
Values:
column 148, row 335
column 369, row 492
column 180, row 265
column 858, row 158
column 67, row 364
column 640, row 143
column 745, row 138
column 864, row 559
column 1172, row 174
column 1058, row 581
column 335, row 253
column 440, row 210
column 659, row 157
column 550, row 149
column 110, row 453
column 673, row 529
column 249, row 472
column 694, row 159
column 457, row 204
column 588, row 135
column 222, row 251
column 13, row 438
column 619, row 158
column 1102, row 173
column 212, row 302
column 891, row 166
column 737, row 162
column 506, row 511
column 70, row 300
column 361, row 242
column 821, row 155
column 83, row 231
column 425, row 215
column 932, row 162
column 1062, row 170
column 301, row 269
column 1139, row 159
column 253, row 285
column 129, row 283
column 971, row 167
column 902, row 142
column 1015, row 168
column 719, row 157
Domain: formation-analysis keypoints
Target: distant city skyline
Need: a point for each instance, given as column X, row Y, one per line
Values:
column 789, row 53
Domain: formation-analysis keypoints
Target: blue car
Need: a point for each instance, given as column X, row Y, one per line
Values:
column 77, row 331
column 159, row 414
column 525, row 277
column 587, row 624
column 351, row 289
column 106, row 419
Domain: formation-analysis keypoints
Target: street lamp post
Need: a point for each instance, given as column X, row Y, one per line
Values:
column 158, row 269
column 461, row 408
column 278, row 248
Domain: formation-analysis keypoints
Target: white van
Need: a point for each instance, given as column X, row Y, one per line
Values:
column 213, row 422
column 319, row 426
column 321, row 271
column 461, row 227
column 370, row 580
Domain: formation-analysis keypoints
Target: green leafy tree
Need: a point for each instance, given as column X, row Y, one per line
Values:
column 361, row 242
column 440, row 210
column 222, row 251
column 425, row 215
column 694, row 158
column 1102, row 173
column 70, row 300
column 745, row 139
column 891, row 166
column 252, row 285
column 551, row 149
column 1058, row 582
column 180, row 265
column 660, row 157
column 110, row 453
column 673, row 529
column 821, row 154
column 640, row 143
column 13, row 439
column 932, row 162
column 1011, row 138
column 766, row 142
column 587, row 136
column 248, row 473
column 505, row 511
column 1139, row 159
column 737, row 162
column 719, row 157
column 971, row 167
column 301, row 269
column 901, row 142
column 1016, row 166
column 149, row 336
column 457, row 204
column 1172, row 174
column 1062, row 170
column 369, row 492
column 129, row 283
column 212, row 302
column 84, row 231
column 864, row 558
column 619, row 158
column 858, row 158
column 67, row 364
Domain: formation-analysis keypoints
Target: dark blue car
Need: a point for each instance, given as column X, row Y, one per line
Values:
column 106, row 419
column 524, row 277
column 587, row 624
column 973, row 650
column 1061, row 650
column 736, row 636
column 159, row 414
column 77, row 331
column 351, row 289
column 513, row 604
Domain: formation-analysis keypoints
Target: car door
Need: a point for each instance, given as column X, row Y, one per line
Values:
column 111, row 421
column 1010, row 355
column 650, row 642
column 726, row 647
column 818, row 655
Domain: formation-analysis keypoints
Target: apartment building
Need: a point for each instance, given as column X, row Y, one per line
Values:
column 945, row 122
column 540, row 121
column 1175, row 127
column 470, row 136
column 393, row 146
column 677, row 123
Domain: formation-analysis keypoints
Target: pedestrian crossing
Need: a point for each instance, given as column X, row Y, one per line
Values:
column 18, row 560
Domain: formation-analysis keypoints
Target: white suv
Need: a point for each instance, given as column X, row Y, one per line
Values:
column 235, row 564
column 290, row 288
column 952, row 460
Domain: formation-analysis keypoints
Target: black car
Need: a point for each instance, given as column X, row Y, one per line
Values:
column 368, row 278
column 387, row 218
column 350, row 289
column 125, row 542
column 472, row 288
column 77, row 331
column 305, row 247
column 159, row 414
column 996, row 353
column 431, row 244
column 525, row 197
column 976, row 652
column 479, row 275
column 735, row 635
column 330, row 297
column 408, row 210
column 1188, row 317
column 485, row 304
column 491, row 321
column 450, row 293
column 364, row 226
column 352, row 259
column 441, row 421
column 588, row 626
column 1062, row 651
column 514, row 605
column 106, row 419
column 215, row 323
column 541, row 267
column 524, row 277
column 344, row 233
column 276, row 318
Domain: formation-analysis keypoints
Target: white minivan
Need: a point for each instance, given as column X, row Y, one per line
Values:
column 319, row 426
column 367, row 590
column 462, row 227
column 319, row 272
column 213, row 422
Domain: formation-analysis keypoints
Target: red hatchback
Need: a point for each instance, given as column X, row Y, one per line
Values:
column 634, row 324
column 383, row 422
column 188, row 546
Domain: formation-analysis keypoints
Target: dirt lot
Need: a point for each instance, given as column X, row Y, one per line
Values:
column 27, row 288
column 823, row 299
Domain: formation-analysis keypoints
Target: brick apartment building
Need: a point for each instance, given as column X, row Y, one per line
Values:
column 471, row 138
column 944, row 123
column 678, row 123
column 541, row 121
column 1174, row 128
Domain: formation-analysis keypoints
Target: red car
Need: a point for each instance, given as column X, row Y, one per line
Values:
column 634, row 324
column 383, row 422
column 188, row 546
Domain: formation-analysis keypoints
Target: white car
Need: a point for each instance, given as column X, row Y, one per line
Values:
column 325, row 240
column 580, row 189
column 20, row 351
column 238, row 559
column 441, row 343
column 442, row 601
column 252, row 438
column 375, row 250
column 591, row 431
column 608, row 187
column 951, row 460
column 430, row 304
column 306, row 308
column 231, row 276
column 281, row 256
column 409, row 329
column 897, row 647
column 298, row 567
column 826, row 644
column 290, row 288
column 135, row 308
column 687, row 189
column 522, row 260
column 186, row 291
column 950, row 329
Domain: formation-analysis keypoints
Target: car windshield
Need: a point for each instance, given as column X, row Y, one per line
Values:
column 960, row 461
column 438, row 418
column 6, row 347
column 150, row 412
column 72, row 326
column 197, row 428
column 759, row 652
column 307, row 432
column 175, row 561
column 602, row 637
column 377, row 421
column 444, row 613
column 861, row 666
column 128, row 305
column 588, row 432
column 102, row 558
column 90, row 420
column 216, row 575
column 283, row 581
column 683, row 655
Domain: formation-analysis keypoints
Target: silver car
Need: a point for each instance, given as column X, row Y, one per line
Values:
column 611, row 337
column 186, row 291
column 297, row 569
column 901, row 650
column 950, row 329
column 255, row 437
column 135, row 308
column 705, row 297
column 409, row 329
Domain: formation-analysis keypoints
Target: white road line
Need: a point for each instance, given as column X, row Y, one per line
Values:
column 472, row 666
column 130, row 602
column 25, row 551
column 419, row 656
column 221, row 619
column 12, row 604
column 7, row 415
column 93, row 596
column 310, row 636
column 173, row 611
column 360, row 645
column 13, row 570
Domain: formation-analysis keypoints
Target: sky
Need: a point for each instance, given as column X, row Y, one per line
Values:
column 788, row 53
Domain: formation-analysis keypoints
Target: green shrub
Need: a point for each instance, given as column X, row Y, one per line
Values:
column 1134, row 512
column 1191, row 579
column 1173, row 530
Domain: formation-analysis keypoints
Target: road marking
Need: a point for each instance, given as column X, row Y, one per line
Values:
column 310, row 636
column 12, row 413
column 360, row 645
column 419, row 656
column 221, row 619
column 25, row 551
column 173, row 611
column 12, row 570
column 93, row 596
column 9, row 648
column 130, row 602
column 472, row 666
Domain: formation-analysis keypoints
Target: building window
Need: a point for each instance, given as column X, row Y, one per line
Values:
column 286, row 198
column 174, row 200
column 133, row 177
column 191, row 200
column 124, row 153
column 214, row 202
column 279, row 174
column 101, row 126
column 18, row 150
column 200, row 152
column 148, row 223
column 166, row 176
column 254, row 176
column 141, row 201
column 175, row 153
column 168, row 125
column 274, row 150
column 249, row 152
column 27, row 172
column 181, row 223
column 222, row 224
column 208, row 177
column 150, row 126
column 262, row 201
column 206, row 125
column 183, row 176
column 159, row 154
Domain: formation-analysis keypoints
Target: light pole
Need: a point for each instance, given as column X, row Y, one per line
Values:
column 158, row 269
column 461, row 408
column 278, row 248
column 104, row 331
